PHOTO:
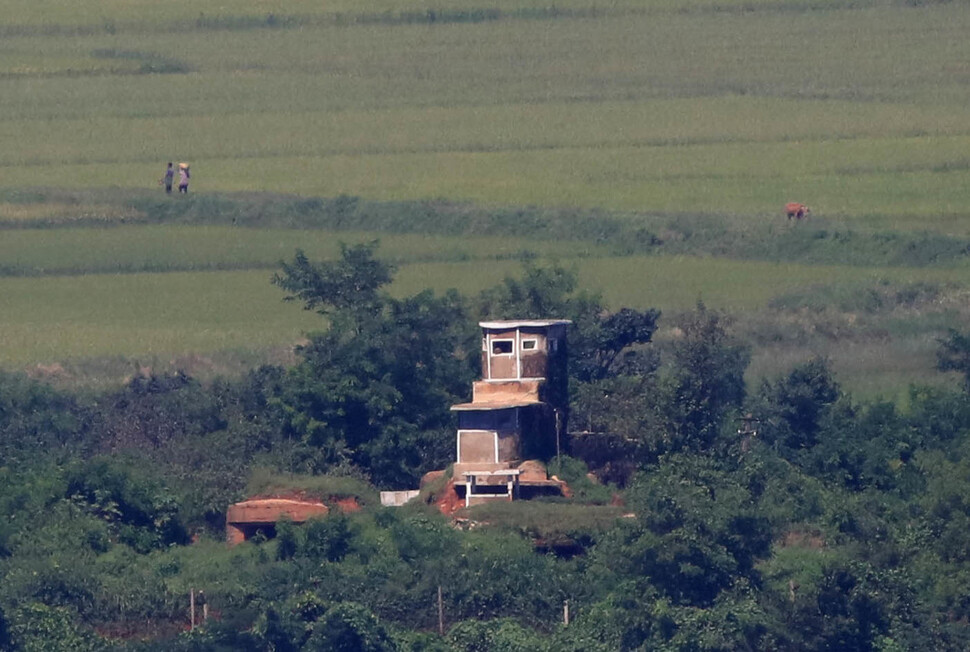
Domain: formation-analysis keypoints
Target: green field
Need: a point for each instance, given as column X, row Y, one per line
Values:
column 159, row 318
column 682, row 118
column 170, row 248
column 652, row 110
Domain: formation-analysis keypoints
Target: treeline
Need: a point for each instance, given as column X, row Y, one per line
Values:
column 789, row 517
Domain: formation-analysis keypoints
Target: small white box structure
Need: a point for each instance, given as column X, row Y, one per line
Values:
column 397, row 498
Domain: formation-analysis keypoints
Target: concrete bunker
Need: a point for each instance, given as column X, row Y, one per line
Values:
column 246, row 519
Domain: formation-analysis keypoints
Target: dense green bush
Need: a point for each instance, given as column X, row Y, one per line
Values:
column 820, row 522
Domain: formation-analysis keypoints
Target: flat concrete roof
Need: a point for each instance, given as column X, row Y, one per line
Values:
column 524, row 323
column 494, row 405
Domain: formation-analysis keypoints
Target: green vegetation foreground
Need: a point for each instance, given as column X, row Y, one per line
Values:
column 818, row 523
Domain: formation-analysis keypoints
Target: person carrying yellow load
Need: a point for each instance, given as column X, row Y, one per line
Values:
column 184, row 178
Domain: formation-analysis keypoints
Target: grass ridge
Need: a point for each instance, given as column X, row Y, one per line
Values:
column 431, row 16
column 818, row 241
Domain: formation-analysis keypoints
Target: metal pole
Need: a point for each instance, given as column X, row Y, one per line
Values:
column 192, row 607
column 441, row 613
column 558, row 428
column 565, row 613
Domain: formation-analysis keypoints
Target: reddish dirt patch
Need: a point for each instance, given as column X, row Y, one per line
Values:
column 347, row 504
column 447, row 500
column 563, row 487
column 801, row 539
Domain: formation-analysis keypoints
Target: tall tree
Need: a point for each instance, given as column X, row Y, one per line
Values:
column 705, row 381
column 793, row 407
column 348, row 287
column 954, row 355
column 374, row 390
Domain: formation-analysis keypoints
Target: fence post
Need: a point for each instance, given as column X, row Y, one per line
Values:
column 441, row 613
column 205, row 605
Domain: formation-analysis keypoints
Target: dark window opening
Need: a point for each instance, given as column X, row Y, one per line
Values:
column 475, row 421
column 491, row 489
column 505, row 420
column 502, row 347
column 495, row 420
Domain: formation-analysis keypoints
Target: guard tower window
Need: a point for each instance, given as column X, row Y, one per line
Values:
column 495, row 420
column 505, row 420
column 529, row 345
column 476, row 420
column 503, row 347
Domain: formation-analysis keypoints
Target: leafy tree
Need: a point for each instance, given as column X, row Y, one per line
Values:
column 736, row 621
column 941, row 416
column 795, row 405
column 954, row 355
column 374, row 391
column 701, row 535
column 287, row 541
column 853, row 606
column 412, row 641
column 379, row 398
column 37, row 421
column 609, row 341
column 328, row 538
column 39, row 628
column 4, row 631
column 276, row 634
column 139, row 507
column 496, row 577
column 541, row 293
column 349, row 627
column 501, row 635
column 349, row 287
column 156, row 410
column 858, row 447
column 705, row 381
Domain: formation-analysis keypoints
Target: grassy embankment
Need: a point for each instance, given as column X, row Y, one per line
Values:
column 693, row 121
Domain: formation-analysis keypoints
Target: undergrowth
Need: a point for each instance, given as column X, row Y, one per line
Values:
column 549, row 521
column 323, row 487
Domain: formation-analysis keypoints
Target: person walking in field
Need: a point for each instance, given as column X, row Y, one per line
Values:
column 184, row 178
column 167, row 179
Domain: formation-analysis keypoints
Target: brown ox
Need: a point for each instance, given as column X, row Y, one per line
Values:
column 796, row 210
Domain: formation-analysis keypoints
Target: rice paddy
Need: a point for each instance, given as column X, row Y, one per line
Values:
column 653, row 111
column 168, row 248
